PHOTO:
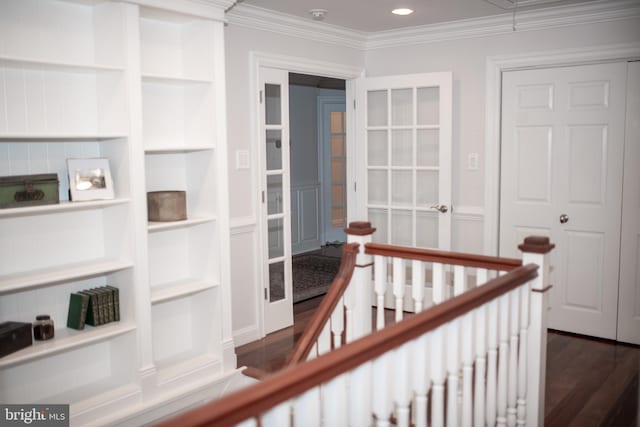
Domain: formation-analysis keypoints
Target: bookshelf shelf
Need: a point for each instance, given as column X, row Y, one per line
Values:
column 172, row 225
column 179, row 289
column 66, row 340
column 63, row 206
column 175, row 150
column 51, row 276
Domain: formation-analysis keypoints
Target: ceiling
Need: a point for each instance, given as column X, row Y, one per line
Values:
column 375, row 15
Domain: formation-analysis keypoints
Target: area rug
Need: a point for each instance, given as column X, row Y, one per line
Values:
column 313, row 274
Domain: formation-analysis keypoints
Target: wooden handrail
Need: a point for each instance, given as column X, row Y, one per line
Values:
column 432, row 255
column 297, row 379
column 329, row 302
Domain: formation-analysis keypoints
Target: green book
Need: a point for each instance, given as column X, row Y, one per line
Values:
column 93, row 315
column 116, row 302
column 78, row 304
column 114, row 299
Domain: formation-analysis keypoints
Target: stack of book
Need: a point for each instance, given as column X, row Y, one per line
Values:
column 93, row 307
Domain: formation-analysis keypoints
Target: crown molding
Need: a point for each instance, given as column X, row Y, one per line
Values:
column 547, row 18
column 211, row 9
column 550, row 17
column 254, row 17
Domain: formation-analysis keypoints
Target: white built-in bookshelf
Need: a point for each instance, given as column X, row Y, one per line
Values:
column 143, row 87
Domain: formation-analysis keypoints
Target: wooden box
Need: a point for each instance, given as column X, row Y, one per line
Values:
column 28, row 190
column 14, row 336
column 167, row 205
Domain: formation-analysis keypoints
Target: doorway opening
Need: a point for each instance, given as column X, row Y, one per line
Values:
column 317, row 122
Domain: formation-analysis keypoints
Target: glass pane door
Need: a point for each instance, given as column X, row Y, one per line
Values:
column 275, row 199
column 408, row 159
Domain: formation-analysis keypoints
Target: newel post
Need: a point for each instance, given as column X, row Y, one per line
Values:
column 536, row 250
column 358, row 295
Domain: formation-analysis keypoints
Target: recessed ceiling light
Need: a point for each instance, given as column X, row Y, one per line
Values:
column 402, row 11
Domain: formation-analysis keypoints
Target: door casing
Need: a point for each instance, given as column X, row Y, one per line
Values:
column 260, row 60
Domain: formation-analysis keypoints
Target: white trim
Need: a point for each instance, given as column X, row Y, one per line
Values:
column 321, row 101
column 211, row 9
column 243, row 225
column 257, row 18
column 542, row 19
column 246, row 335
column 253, row 17
column 494, row 68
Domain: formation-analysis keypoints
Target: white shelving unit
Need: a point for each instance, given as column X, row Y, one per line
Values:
column 143, row 87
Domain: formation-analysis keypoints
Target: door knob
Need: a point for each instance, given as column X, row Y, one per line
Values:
column 564, row 218
column 440, row 208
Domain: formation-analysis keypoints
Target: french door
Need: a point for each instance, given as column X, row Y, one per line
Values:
column 276, row 203
column 405, row 125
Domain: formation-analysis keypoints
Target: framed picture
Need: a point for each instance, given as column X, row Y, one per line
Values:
column 89, row 179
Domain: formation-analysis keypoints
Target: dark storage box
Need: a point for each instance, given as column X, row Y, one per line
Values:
column 28, row 190
column 14, row 336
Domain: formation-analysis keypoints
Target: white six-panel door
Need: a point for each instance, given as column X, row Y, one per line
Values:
column 405, row 124
column 561, row 176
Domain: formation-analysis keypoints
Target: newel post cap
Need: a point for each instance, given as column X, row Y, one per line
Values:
column 359, row 228
column 536, row 245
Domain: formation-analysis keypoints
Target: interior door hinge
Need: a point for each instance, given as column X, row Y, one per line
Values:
column 265, row 294
column 262, row 196
column 355, row 186
column 354, row 104
column 260, row 97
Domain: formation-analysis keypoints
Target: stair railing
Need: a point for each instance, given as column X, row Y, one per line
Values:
column 492, row 336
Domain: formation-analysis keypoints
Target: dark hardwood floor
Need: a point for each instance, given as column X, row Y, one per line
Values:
column 590, row 382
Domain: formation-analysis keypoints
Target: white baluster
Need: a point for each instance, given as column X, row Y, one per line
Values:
column 438, row 283
column 417, row 285
column 482, row 275
column 512, row 390
column 399, row 280
column 381, row 401
column 278, row 416
column 324, row 339
column 306, row 409
column 380, row 287
column 337, row 323
column 503, row 360
column 360, row 395
column 402, row 384
column 459, row 280
column 421, row 379
column 522, row 354
column 314, row 351
column 467, row 370
column 334, row 402
column 438, row 373
column 349, row 304
column 492, row 360
column 481, row 365
column 453, row 365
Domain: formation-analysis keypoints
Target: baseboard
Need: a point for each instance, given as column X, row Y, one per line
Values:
column 246, row 335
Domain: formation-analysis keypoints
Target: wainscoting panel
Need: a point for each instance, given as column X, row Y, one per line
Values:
column 305, row 217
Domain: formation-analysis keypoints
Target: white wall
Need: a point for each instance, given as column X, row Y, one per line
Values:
column 466, row 58
column 240, row 41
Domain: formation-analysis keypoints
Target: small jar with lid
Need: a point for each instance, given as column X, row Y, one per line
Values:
column 43, row 328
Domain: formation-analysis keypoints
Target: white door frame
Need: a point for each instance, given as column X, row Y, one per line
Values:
column 321, row 102
column 259, row 60
column 494, row 68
